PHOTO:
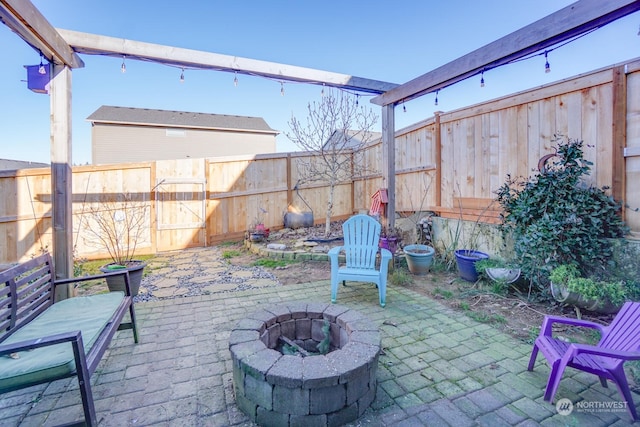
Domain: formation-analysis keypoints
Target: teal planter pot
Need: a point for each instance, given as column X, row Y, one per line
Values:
column 419, row 258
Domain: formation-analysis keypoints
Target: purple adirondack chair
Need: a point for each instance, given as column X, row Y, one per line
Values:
column 620, row 341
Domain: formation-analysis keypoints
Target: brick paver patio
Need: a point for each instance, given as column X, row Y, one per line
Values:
column 438, row 368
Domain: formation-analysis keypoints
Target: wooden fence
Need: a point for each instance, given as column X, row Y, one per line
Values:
column 451, row 163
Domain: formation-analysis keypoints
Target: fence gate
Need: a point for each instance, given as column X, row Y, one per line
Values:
column 180, row 213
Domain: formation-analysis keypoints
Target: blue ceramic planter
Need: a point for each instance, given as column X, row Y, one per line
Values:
column 419, row 258
column 466, row 260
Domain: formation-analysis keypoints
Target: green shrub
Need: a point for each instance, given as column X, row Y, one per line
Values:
column 588, row 287
column 231, row 253
column 554, row 218
column 270, row 263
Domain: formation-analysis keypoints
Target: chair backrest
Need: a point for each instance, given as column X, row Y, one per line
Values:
column 624, row 331
column 361, row 239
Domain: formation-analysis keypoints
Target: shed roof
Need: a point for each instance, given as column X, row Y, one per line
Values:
column 181, row 119
column 9, row 164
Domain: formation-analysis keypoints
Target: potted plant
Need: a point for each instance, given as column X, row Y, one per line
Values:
column 118, row 227
column 498, row 270
column 258, row 232
column 466, row 260
column 390, row 238
column 419, row 258
column 568, row 287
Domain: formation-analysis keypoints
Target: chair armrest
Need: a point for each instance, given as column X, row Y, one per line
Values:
column 334, row 252
column 72, row 336
column 385, row 254
column 87, row 278
column 334, row 261
column 576, row 349
column 125, row 273
column 549, row 321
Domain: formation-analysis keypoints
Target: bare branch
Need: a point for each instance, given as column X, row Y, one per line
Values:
column 336, row 131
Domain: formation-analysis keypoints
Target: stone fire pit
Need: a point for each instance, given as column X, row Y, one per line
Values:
column 298, row 390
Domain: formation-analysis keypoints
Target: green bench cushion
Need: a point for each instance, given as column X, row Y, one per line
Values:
column 88, row 314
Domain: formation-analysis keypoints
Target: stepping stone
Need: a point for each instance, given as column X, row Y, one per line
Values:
column 277, row 246
column 170, row 292
column 216, row 270
column 242, row 274
column 201, row 279
column 166, row 283
column 220, row 287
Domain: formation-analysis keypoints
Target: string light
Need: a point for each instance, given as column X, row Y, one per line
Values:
column 41, row 69
column 547, row 67
column 404, row 107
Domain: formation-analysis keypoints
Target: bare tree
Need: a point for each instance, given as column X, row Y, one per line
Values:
column 336, row 130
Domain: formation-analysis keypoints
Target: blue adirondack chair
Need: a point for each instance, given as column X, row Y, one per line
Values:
column 361, row 238
column 620, row 341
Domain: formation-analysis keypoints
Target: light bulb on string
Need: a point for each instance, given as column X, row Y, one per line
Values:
column 547, row 67
column 123, row 67
column 182, row 76
column 404, row 107
column 357, row 98
column 235, row 79
column 436, row 102
column 41, row 69
column 281, row 88
column 482, row 79
column 322, row 91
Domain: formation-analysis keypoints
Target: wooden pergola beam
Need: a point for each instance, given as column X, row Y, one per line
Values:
column 27, row 21
column 93, row 44
column 571, row 21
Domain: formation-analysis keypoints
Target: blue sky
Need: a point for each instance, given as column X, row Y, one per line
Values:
column 376, row 39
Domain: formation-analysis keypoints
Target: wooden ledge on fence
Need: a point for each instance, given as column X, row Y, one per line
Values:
column 471, row 209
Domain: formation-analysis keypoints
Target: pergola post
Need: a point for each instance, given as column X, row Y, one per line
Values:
column 61, row 176
column 389, row 162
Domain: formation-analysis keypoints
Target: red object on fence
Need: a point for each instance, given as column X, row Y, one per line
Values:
column 378, row 200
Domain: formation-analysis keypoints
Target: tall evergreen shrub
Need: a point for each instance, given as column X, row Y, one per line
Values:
column 554, row 217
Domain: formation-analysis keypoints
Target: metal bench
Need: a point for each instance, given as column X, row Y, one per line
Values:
column 42, row 340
